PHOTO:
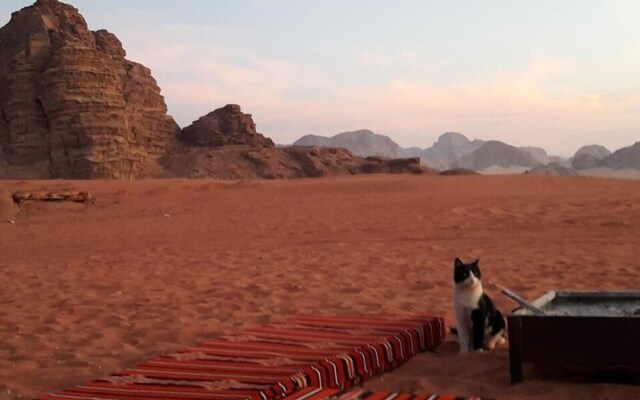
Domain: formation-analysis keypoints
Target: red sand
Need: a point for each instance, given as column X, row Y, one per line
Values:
column 157, row 265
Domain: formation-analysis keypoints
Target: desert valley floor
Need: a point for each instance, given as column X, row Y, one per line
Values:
column 157, row 265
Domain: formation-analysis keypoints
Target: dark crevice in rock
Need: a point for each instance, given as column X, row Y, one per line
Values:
column 5, row 118
column 49, row 142
column 46, row 117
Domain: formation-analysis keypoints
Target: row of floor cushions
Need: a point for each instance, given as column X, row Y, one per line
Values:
column 299, row 355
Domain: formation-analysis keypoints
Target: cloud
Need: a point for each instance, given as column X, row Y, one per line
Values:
column 531, row 106
column 370, row 58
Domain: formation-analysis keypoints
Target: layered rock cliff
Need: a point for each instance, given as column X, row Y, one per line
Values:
column 226, row 126
column 72, row 105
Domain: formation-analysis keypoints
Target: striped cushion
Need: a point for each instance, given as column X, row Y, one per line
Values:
column 294, row 357
column 369, row 395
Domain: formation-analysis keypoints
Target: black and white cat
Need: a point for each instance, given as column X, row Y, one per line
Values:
column 480, row 325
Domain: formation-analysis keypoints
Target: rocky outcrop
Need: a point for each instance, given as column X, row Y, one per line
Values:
column 589, row 156
column 76, row 196
column 316, row 140
column 584, row 161
column 595, row 156
column 458, row 172
column 386, row 165
column 363, row 143
column 245, row 162
column 224, row 144
column 538, row 153
column 595, row 150
column 8, row 208
column 552, row 169
column 71, row 105
column 225, row 126
column 494, row 153
column 562, row 161
column 624, row 158
column 448, row 149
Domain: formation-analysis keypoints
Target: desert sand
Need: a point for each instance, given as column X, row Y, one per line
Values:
column 157, row 265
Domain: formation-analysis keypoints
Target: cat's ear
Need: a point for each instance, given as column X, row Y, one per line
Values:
column 458, row 263
column 476, row 262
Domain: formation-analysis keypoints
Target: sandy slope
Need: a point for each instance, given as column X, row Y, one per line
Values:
column 628, row 173
column 157, row 265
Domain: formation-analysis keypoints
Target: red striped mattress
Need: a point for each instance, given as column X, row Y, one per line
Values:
column 368, row 395
column 300, row 358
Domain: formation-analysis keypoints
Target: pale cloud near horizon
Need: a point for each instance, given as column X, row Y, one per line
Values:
column 384, row 59
column 288, row 100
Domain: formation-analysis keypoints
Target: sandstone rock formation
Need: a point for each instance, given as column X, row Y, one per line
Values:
column 595, row 150
column 362, row 142
column 538, row 153
column 75, row 196
column 589, row 156
column 71, row 105
column 224, row 127
column 552, row 169
column 244, row 162
column 448, row 149
column 458, row 172
column 377, row 165
column 584, row 161
column 624, row 158
column 495, row 153
column 224, row 144
column 562, row 161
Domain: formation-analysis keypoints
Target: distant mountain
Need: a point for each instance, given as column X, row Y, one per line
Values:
column 414, row 152
column 449, row 147
column 313, row 140
column 595, row 150
column 562, row 161
column 363, row 143
column 454, row 150
column 624, row 158
column 538, row 153
column 495, row 153
column 589, row 156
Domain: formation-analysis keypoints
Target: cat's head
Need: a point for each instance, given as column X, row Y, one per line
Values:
column 466, row 275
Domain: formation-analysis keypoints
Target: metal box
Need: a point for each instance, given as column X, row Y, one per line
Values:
column 599, row 329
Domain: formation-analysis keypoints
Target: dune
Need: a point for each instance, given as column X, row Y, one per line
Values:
column 498, row 170
column 155, row 265
column 602, row 172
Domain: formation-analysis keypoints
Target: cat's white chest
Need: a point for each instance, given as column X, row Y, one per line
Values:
column 467, row 298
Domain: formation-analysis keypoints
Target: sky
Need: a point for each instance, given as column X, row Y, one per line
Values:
column 557, row 74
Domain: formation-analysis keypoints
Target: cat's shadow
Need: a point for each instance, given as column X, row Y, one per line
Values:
column 499, row 360
column 567, row 373
column 448, row 348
